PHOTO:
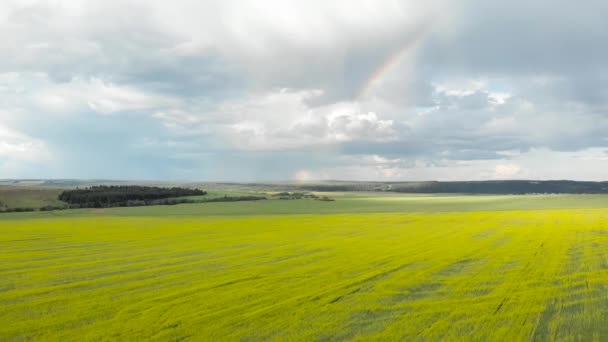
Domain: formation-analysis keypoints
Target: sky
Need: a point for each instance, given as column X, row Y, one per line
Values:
column 278, row 90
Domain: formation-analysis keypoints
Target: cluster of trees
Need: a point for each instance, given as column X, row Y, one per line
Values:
column 285, row 195
column 294, row 195
column 232, row 199
column 52, row 207
column 126, row 196
column 16, row 210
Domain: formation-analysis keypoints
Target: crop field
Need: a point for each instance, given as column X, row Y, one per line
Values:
column 186, row 274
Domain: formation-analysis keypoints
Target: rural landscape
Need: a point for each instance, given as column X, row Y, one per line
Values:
column 303, row 171
column 367, row 265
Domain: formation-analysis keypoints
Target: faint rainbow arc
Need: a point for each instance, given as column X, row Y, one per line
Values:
column 381, row 72
column 390, row 63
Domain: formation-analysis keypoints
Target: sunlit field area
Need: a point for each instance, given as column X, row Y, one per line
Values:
column 500, row 274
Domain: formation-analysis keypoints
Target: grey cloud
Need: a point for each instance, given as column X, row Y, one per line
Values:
column 522, row 36
column 226, row 88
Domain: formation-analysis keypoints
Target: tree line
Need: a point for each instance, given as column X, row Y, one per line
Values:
column 504, row 187
column 123, row 196
column 464, row 187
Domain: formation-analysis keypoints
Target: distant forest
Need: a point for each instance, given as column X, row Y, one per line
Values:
column 126, row 196
column 507, row 187
column 499, row 187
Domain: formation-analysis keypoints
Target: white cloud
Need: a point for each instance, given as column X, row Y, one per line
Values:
column 461, row 88
column 281, row 120
column 353, row 126
column 15, row 146
column 98, row 96
column 506, row 170
column 500, row 98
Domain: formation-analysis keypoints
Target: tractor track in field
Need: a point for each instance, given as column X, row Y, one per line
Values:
column 361, row 282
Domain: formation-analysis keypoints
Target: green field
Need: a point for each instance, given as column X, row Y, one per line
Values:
column 28, row 197
column 365, row 267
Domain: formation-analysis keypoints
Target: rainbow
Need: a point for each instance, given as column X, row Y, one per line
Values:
column 381, row 72
column 390, row 63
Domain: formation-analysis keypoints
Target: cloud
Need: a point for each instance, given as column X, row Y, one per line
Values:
column 506, row 170
column 391, row 89
column 17, row 146
column 100, row 97
column 280, row 120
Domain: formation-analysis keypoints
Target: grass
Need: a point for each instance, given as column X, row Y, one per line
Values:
column 483, row 269
column 28, row 197
column 345, row 203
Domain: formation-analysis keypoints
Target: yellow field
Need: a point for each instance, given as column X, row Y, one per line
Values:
column 510, row 275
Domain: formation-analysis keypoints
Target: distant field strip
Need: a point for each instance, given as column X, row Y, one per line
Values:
column 506, row 275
